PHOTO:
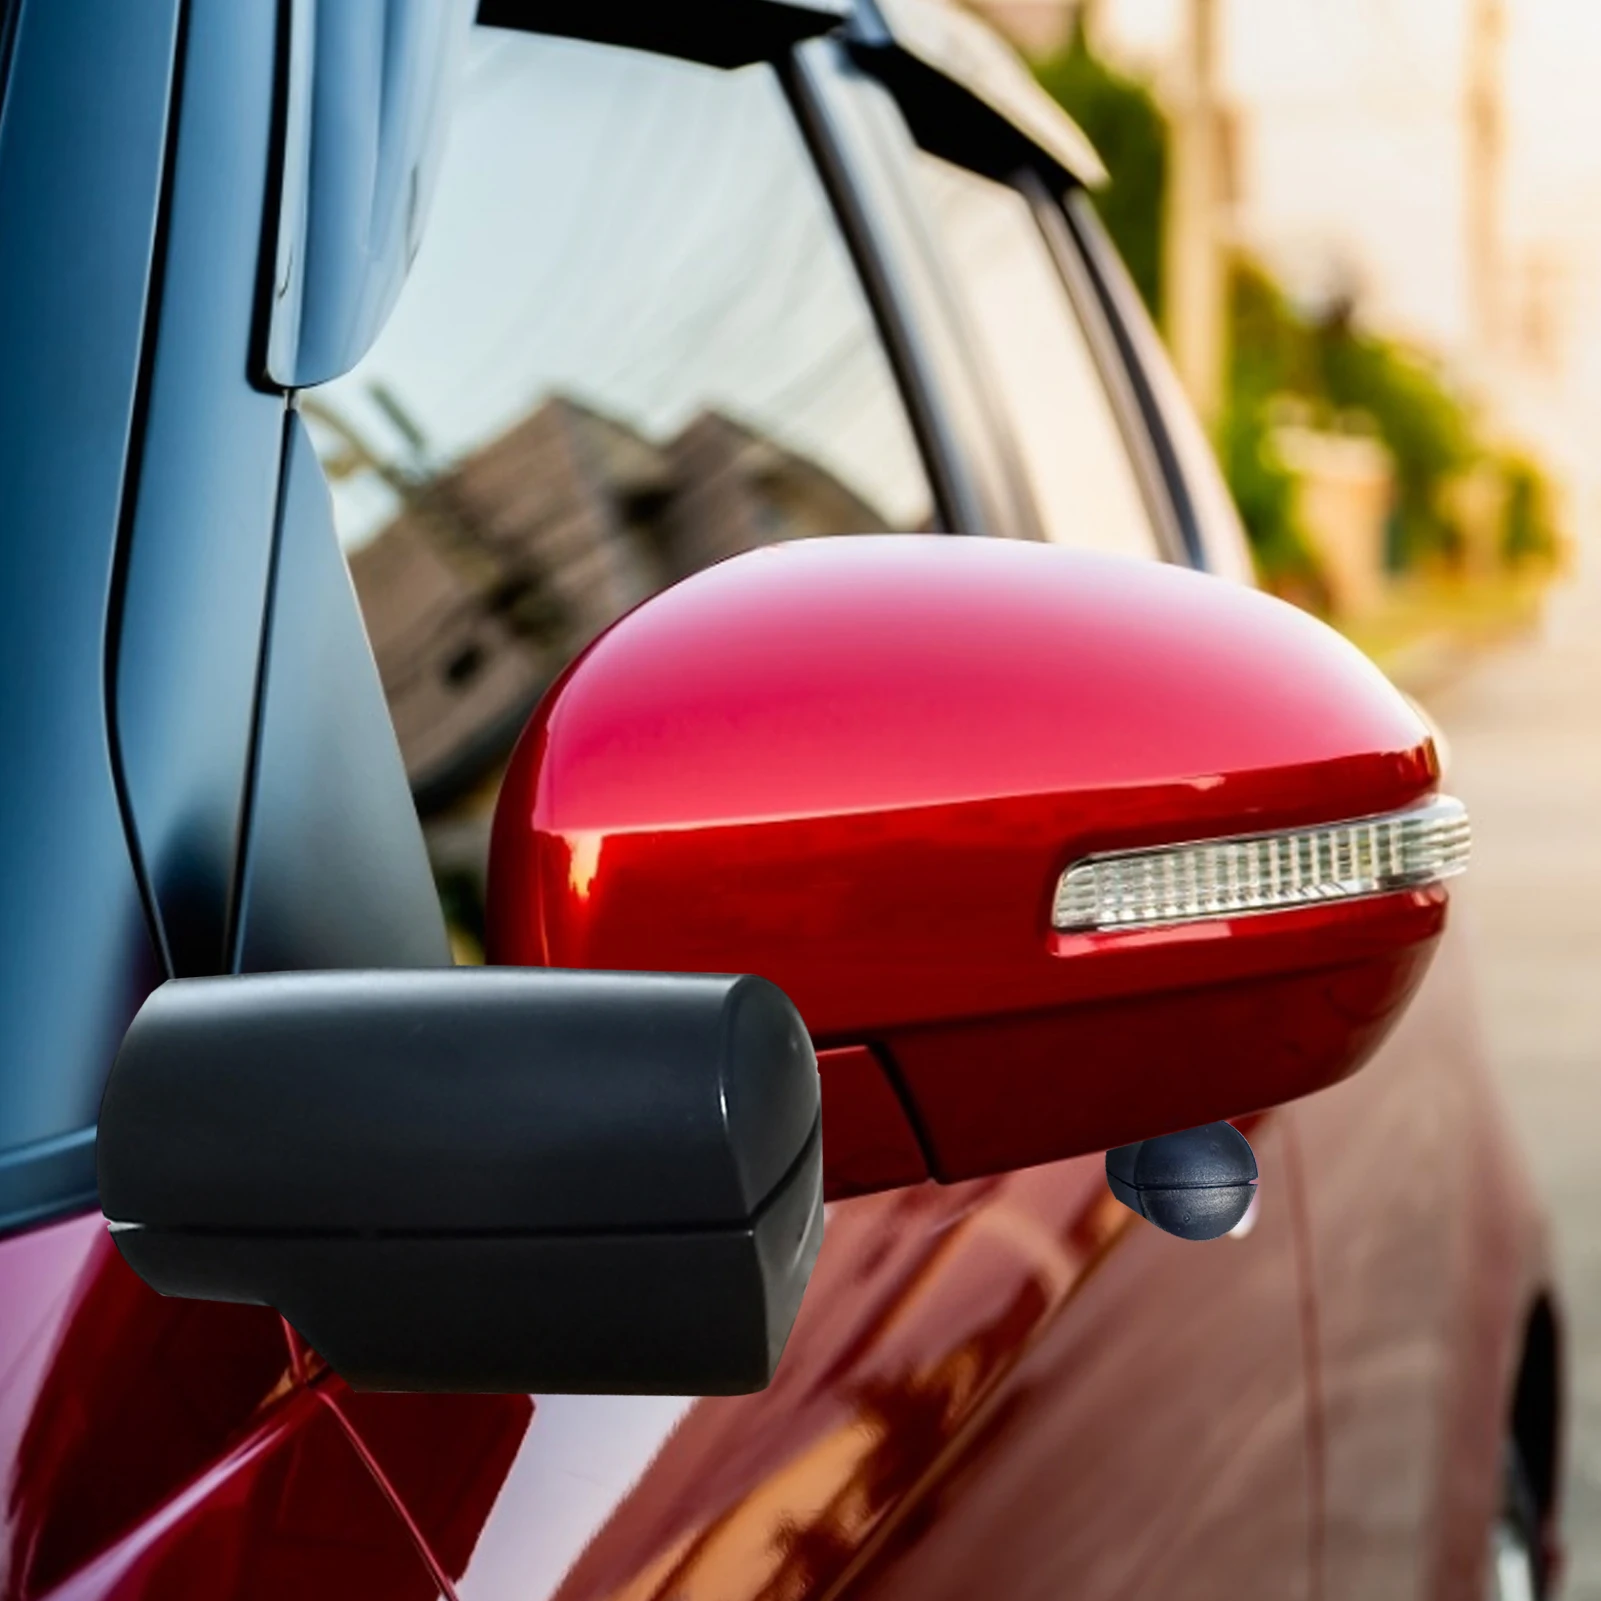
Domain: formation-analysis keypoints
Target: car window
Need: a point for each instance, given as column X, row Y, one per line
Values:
column 632, row 343
column 1041, row 364
column 1225, row 549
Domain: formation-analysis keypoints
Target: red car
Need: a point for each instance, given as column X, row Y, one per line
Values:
column 382, row 597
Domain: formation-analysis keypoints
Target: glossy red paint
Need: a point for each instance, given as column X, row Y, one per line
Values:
column 1207, row 1048
column 155, row 1448
column 1011, row 1387
column 868, row 1143
column 1014, row 1377
column 921, row 1303
column 290, row 1511
column 1108, row 1465
column 857, row 766
column 444, row 1457
column 111, row 1397
column 1430, row 1254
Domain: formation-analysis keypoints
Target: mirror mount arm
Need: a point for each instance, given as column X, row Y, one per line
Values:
column 479, row 1179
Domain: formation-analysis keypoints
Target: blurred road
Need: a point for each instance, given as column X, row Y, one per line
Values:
column 1524, row 727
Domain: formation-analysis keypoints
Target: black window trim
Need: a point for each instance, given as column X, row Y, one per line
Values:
column 1112, row 285
column 1004, row 154
column 977, row 479
column 1116, row 364
column 887, row 297
column 954, row 120
column 719, row 33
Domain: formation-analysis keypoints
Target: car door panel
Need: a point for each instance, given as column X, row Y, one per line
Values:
column 292, row 1511
column 1427, row 1255
column 1153, row 1442
column 168, row 1448
column 449, row 1458
column 922, row 1300
column 1002, row 1385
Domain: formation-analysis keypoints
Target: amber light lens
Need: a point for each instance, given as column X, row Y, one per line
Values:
column 1248, row 874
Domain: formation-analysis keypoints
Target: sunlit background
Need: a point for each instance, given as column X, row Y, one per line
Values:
column 1371, row 230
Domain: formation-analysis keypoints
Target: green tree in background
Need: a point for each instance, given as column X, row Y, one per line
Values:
column 1532, row 533
column 1342, row 376
column 1125, row 124
column 1123, row 121
column 1337, row 374
column 1425, row 426
column 1269, row 355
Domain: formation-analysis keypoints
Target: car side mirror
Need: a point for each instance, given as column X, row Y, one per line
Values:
column 478, row 1180
column 1055, row 852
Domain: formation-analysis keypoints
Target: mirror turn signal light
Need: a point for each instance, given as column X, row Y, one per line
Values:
column 1246, row 874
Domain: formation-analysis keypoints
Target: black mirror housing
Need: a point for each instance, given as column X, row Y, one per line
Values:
column 479, row 1179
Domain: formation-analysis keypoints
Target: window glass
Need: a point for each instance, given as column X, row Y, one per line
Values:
column 632, row 343
column 1225, row 547
column 1041, row 363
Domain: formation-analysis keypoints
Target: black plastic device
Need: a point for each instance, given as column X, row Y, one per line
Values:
column 1196, row 1184
column 479, row 1179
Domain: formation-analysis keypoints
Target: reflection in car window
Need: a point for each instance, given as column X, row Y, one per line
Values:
column 1046, row 381
column 632, row 344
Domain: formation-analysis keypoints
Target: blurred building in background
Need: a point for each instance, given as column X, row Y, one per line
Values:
column 500, row 567
column 505, row 565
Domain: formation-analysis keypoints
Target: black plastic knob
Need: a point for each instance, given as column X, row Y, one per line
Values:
column 1196, row 1184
